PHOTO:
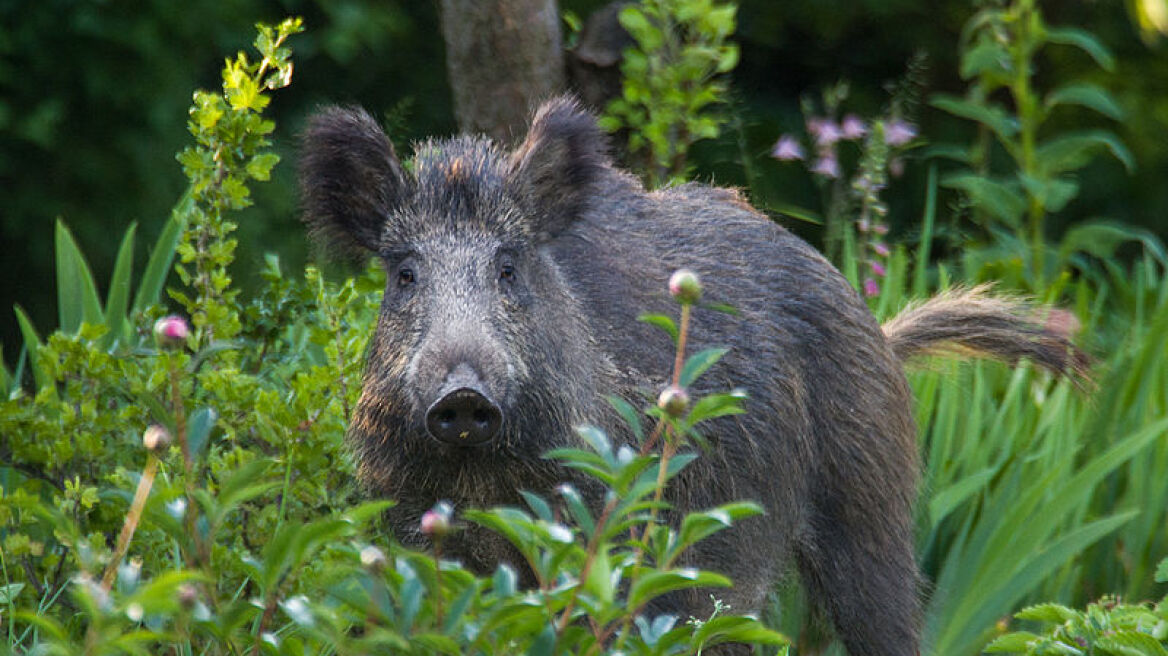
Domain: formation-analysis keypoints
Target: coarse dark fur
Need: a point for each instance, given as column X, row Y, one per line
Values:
column 531, row 267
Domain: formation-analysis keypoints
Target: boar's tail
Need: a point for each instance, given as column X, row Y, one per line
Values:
column 971, row 322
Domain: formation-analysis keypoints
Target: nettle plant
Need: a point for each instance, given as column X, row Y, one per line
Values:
column 1108, row 627
column 181, row 486
column 1000, row 46
column 672, row 80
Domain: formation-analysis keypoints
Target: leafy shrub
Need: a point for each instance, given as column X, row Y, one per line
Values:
column 186, row 487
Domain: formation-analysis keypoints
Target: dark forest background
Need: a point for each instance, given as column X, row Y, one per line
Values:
column 94, row 95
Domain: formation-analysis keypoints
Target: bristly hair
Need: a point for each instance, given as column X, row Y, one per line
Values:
column 971, row 322
column 350, row 180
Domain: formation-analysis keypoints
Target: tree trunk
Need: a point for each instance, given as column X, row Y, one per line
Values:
column 504, row 57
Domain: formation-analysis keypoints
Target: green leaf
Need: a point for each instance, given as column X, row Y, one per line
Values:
column 946, row 500
column 629, row 414
column 9, row 592
column 32, row 342
column 1162, row 571
column 713, row 406
column 1085, row 41
column 699, row 525
column 1012, row 643
column 992, row 116
column 733, row 628
column 698, row 363
column 1074, row 150
column 1053, row 613
column 1131, row 643
column 118, row 302
column 661, row 321
column 653, row 584
column 997, row 198
column 1100, row 238
column 199, row 425
column 260, row 166
column 77, row 298
column 545, row 642
column 1086, row 95
column 161, row 257
column 988, row 58
column 1052, row 194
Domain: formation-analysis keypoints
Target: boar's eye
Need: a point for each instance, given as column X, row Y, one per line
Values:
column 405, row 277
column 507, row 273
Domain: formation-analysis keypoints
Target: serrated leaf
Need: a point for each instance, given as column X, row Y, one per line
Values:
column 1086, row 95
column 260, row 166
column 1085, row 41
column 1017, row 642
column 1131, row 643
column 1053, row 613
column 696, row 364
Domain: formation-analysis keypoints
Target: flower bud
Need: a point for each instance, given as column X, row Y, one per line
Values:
column 188, row 596
column 171, row 332
column 372, row 558
column 674, row 400
column 436, row 521
column 156, row 438
column 685, row 286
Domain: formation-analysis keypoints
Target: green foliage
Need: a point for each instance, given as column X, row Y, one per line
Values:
column 1108, row 627
column 999, row 48
column 671, row 80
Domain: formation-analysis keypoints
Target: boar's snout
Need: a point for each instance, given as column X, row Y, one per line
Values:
column 463, row 415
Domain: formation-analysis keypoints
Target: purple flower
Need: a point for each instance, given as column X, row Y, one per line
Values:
column 827, row 166
column 863, row 225
column 881, row 249
column 870, row 287
column 878, row 268
column 898, row 133
column 171, row 331
column 825, row 132
column 852, row 127
column 787, row 148
column 880, row 228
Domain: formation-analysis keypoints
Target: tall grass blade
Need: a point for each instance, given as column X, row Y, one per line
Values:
column 118, row 301
column 162, row 256
column 77, row 298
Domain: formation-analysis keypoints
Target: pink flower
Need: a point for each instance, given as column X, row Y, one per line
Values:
column 881, row 249
column 878, row 268
column 870, row 287
column 852, row 127
column 787, row 148
column 863, row 225
column 898, row 133
column 171, row 331
column 436, row 521
column 880, row 229
column 827, row 166
column 685, row 286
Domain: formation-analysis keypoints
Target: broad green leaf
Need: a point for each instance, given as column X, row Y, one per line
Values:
column 654, row 583
column 1052, row 194
column 1086, row 95
column 1085, row 41
column 118, row 302
column 717, row 405
column 1162, row 571
column 696, row 364
column 199, row 425
column 992, row 116
column 77, row 298
column 661, row 321
column 1000, row 199
column 987, row 58
column 733, row 628
column 1131, row 643
column 1074, row 150
column 161, row 257
column 1099, row 238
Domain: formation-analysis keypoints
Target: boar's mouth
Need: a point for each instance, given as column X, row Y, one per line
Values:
column 464, row 414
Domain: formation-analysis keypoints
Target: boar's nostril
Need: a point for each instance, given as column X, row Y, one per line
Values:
column 463, row 417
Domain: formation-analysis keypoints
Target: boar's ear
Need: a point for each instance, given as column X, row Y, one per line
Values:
column 557, row 167
column 350, row 179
